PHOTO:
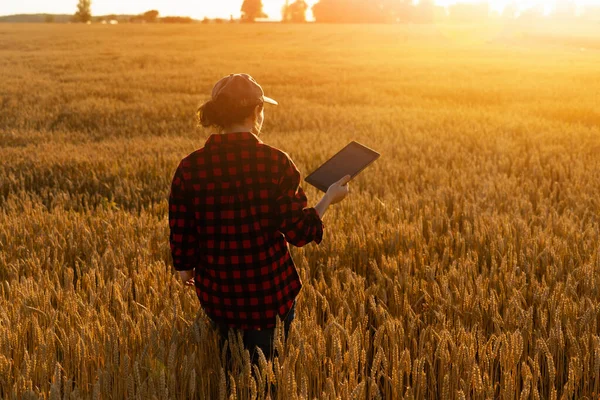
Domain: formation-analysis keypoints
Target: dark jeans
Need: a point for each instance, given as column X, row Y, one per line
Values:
column 263, row 338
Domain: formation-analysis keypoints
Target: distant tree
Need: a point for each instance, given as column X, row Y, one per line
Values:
column 397, row 10
column 532, row 13
column 425, row 11
column 373, row 11
column 251, row 10
column 469, row 12
column 150, row 16
column 206, row 20
column 361, row 11
column 327, row 11
column 405, row 11
column 176, row 20
column 49, row 18
column 285, row 11
column 295, row 12
column 343, row 11
column 84, row 11
column 510, row 11
column 565, row 9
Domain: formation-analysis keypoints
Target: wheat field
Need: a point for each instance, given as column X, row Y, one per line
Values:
column 465, row 263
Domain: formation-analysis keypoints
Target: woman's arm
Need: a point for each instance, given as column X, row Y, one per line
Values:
column 336, row 193
column 299, row 223
column 182, row 226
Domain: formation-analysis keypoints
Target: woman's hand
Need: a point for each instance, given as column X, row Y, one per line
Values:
column 339, row 190
column 187, row 277
column 336, row 193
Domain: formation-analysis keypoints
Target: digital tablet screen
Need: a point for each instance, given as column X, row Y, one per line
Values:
column 349, row 161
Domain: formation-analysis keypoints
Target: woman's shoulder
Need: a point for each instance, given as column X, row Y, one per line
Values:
column 192, row 158
column 275, row 154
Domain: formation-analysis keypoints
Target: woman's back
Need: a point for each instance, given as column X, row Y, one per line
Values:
column 233, row 205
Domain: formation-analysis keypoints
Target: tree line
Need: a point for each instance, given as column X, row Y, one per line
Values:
column 84, row 14
column 393, row 11
column 346, row 11
column 359, row 11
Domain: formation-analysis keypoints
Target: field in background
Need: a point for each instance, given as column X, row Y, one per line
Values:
column 465, row 263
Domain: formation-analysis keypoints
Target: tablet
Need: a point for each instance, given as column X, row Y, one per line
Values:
column 351, row 160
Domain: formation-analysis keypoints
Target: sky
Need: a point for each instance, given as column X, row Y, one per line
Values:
column 194, row 8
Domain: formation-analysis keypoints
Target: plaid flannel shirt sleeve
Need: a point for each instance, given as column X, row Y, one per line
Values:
column 299, row 224
column 182, row 224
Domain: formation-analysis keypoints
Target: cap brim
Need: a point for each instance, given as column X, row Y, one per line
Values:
column 269, row 100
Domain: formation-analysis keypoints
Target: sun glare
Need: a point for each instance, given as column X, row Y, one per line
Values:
column 548, row 6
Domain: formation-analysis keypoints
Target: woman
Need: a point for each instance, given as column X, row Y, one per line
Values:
column 234, row 206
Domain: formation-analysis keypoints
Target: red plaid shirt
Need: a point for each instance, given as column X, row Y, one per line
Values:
column 234, row 206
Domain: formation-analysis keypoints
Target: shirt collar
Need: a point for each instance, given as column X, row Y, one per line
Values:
column 218, row 139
